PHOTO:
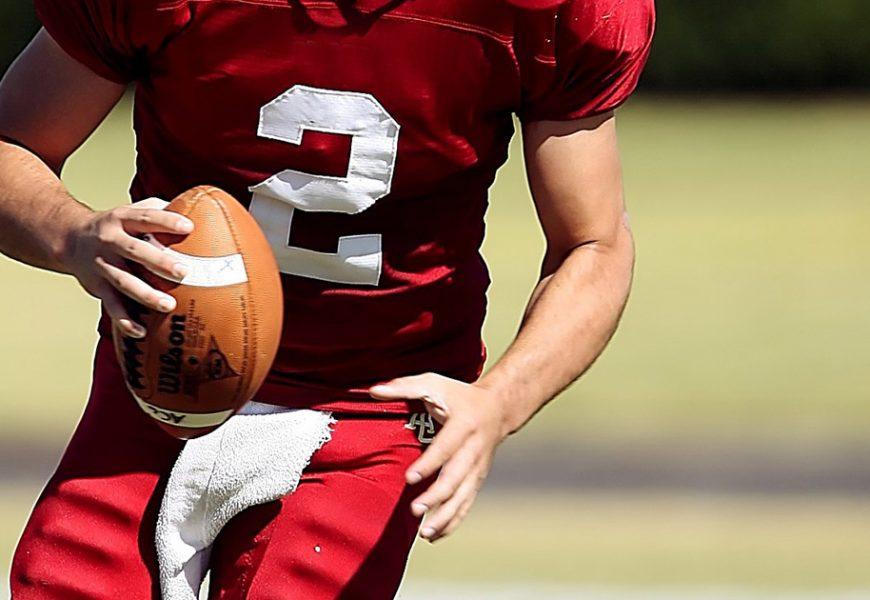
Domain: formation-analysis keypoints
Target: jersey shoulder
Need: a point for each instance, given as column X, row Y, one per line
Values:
column 112, row 37
column 582, row 57
column 618, row 27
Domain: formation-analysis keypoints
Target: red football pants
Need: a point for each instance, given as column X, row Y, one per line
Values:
column 344, row 533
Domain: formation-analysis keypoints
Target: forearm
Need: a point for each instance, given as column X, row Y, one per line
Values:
column 572, row 315
column 37, row 213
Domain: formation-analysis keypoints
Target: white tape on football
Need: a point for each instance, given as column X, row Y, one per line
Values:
column 205, row 271
column 217, row 271
column 183, row 419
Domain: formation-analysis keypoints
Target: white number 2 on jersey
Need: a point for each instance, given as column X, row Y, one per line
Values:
column 375, row 137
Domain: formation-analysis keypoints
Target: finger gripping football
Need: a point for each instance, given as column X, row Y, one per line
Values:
column 202, row 362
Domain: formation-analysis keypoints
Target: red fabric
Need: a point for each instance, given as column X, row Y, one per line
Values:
column 345, row 533
column 536, row 4
column 590, row 61
column 450, row 72
column 95, row 33
column 114, row 38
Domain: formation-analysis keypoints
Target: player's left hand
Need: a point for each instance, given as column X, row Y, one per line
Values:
column 473, row 427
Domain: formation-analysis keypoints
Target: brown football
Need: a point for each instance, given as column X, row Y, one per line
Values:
column 202, row 362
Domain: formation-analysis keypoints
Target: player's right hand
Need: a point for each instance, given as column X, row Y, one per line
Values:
column 99, row 250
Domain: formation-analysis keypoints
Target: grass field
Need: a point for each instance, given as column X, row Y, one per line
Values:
column 748, row 315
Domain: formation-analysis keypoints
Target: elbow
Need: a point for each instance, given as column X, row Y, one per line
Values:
column 614, row 251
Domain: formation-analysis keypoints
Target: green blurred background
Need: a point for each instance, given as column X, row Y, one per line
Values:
column 721, row 442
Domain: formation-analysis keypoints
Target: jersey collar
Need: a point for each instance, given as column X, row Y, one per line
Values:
column 339, row 13
column 536, row 4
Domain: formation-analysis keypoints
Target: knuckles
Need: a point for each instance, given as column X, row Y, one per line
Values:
column 105, row 235
column 468, row 423
column 131, row 247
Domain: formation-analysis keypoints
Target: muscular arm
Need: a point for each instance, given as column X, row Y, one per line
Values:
column 575, row 177
column 49, row 105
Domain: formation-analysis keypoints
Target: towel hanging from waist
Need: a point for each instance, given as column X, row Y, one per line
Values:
column 255, row 457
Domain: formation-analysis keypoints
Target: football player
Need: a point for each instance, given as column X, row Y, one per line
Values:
column 364, row 136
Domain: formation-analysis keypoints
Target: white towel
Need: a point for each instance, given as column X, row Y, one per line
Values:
column 255, row 457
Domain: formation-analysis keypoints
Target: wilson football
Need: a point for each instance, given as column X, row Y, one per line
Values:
column 202, row 362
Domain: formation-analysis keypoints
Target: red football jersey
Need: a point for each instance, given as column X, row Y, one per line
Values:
column 364, row 137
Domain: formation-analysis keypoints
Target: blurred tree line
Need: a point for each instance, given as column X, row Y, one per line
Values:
column 702, row 45
column 768, row 45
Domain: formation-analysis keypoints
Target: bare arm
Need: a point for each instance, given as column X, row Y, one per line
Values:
column 575, row 176
column 49, row 105
column 49, row 122
column 576, row 182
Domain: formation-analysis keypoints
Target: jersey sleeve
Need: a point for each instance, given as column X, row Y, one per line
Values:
column 589, row 60
column 95, row 33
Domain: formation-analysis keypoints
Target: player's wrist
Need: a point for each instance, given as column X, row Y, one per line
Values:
column 75, row 222
column 514, row 418
column 510, row 413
